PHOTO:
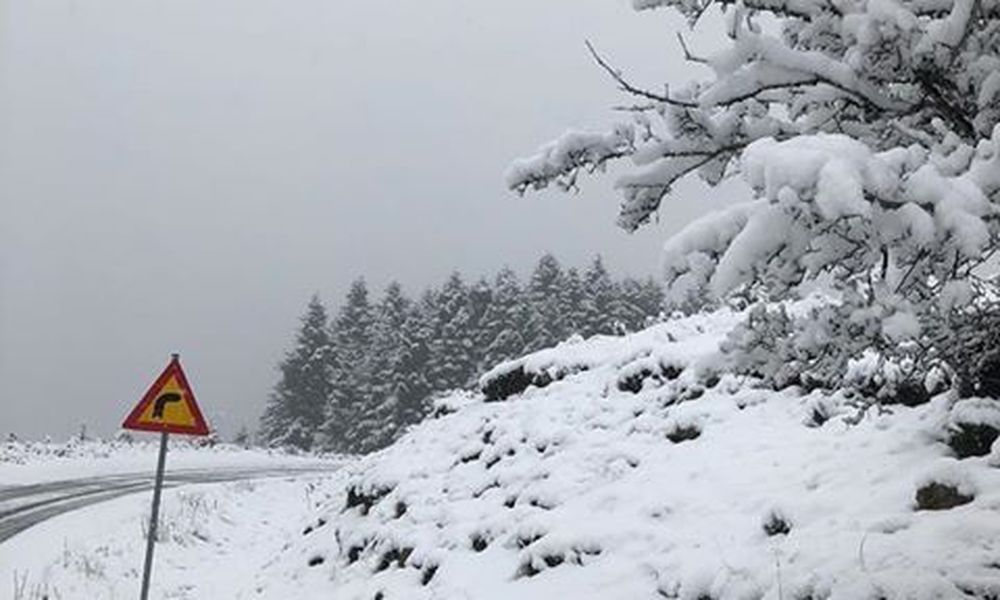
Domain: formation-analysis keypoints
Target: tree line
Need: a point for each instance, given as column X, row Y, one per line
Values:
column 353, row 381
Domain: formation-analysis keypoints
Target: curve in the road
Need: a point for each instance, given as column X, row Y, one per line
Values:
column 22, row 507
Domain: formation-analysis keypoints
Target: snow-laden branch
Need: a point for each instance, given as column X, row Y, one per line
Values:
column 828, row 202
column 560, row 160
column 760, row 62
column 887, row 73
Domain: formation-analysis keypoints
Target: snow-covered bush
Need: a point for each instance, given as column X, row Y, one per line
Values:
column 970, row 340
column 868, row 131
column 830, row 345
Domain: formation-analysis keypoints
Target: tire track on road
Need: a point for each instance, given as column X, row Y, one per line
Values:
column 79, row 493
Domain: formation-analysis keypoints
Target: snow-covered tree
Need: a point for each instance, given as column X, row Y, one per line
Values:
column 868, row 132
column 502, row 327
column 650, row 299
column 414, row 389
column 480, row 301
column 349, row 365
column 546, row 324
column 600, row 299
column 451, row 346
column 295, row 409
column 398, row 386
column 243, row 437
column 632, row 312
column 376, row 419
column 571, row 303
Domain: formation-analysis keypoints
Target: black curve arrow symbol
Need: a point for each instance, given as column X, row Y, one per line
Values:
column 162, row 402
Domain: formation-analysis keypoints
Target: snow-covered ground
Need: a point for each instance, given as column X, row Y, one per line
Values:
column 213, row 536
column 33, row 462
column 215, row 540
column 642, row 471
column 611, row 468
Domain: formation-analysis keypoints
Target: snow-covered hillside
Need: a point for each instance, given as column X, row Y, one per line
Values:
column 634, row 467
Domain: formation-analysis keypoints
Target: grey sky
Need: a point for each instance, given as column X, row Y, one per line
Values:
column 183, row 175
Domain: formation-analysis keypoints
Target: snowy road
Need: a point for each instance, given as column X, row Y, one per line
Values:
column 26, row 505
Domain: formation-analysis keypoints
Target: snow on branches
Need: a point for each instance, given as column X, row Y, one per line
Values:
column 879, row 71
column 829, row 204
column 869, row 132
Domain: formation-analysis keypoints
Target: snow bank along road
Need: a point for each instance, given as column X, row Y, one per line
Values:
column 25, row 505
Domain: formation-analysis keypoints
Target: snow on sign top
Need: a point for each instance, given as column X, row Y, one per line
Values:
column 169, row 405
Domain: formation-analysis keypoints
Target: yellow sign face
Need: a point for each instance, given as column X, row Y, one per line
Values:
column 169, row 408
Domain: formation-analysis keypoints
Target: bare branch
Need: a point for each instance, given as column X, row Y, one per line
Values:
column 631, row 89
column 687, row 53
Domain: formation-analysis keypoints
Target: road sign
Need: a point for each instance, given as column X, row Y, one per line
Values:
column 169, row 406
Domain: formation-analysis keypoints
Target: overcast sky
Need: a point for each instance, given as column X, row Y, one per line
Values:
column 183, row 175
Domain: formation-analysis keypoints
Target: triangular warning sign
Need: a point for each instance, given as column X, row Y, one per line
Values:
column 168, row 406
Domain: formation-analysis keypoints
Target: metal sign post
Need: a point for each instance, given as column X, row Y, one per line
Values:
column 168, row 407
column 154, row 517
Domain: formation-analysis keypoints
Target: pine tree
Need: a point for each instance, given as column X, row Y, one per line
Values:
column 296, row 407
column 398, row 387
column 599, row 300
column 414, row 362
column 480, row 301
column 571, row 303
column 501, row 333
column 631, row 312
column 350, row 368
column 243, row 438
column 384, row 362
column 546, row 325
column 451, row 348
column 651, row 300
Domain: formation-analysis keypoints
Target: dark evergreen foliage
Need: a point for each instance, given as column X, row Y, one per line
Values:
column 379, row 363
column 295, row 410
column 350, row 371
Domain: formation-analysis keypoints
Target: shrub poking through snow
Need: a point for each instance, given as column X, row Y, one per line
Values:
column 427, row 574
column 635, row 381
column 366, row 499
column 949, row 485
column 479, row 541
column 975, row 350
column 316, row 561
column 776, row 524
column 524, row 540
column 683, row 433
column 974, row 426
column 311, row 528
column 907, row 393
column 535, row 563
column 514, row 377
column 972, row 440
column 356, row 551
column 393, row 555
column 503, row 385
column 941, row 496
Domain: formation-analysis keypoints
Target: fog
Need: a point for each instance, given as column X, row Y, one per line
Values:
column 181, row 176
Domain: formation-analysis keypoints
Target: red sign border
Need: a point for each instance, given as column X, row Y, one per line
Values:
column 200, row 426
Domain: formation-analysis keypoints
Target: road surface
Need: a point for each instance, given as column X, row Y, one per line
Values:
column 26, row 505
